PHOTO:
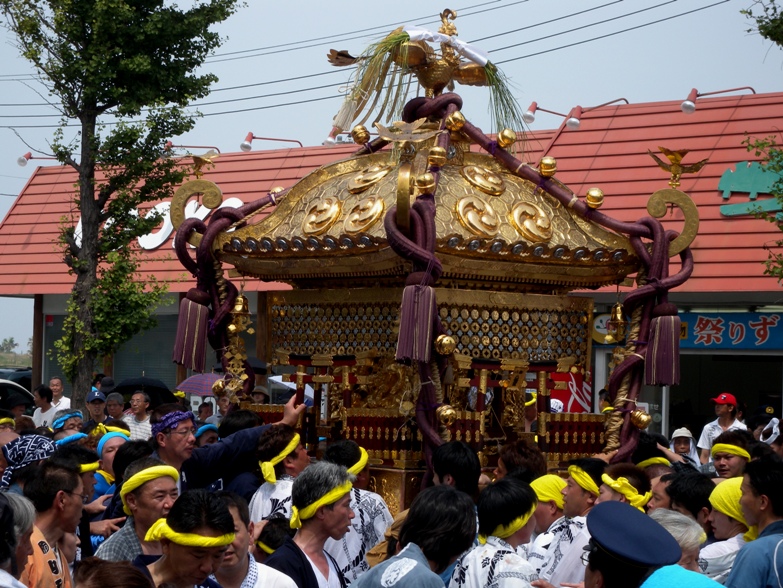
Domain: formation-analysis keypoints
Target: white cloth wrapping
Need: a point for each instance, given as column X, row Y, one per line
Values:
column 716, row 559
column 475, row 54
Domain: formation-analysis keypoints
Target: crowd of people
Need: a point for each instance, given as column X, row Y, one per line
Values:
column 163, row 497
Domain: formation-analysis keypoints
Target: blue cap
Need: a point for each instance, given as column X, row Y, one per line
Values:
column 629, row 535
column 96, row 395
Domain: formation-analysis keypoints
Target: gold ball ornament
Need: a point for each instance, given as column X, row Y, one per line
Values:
column 640, row 419
column 595, row 198
column 360, row 134
column 445, row 344
column 455, row 121
column 506, row 138
column 548, row 166
column 437, row 157
column 425, row 183
column 446, row 414
column 218, row 388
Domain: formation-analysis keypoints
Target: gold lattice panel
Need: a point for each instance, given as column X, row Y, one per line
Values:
column 486, row 325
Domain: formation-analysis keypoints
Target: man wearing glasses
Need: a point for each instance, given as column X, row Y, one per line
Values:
column 139, row 421
column 174, row 441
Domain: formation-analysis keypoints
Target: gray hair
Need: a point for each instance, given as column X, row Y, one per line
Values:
column 24, row 514
column 115, row 397
column 687, row 532
column 316, row 481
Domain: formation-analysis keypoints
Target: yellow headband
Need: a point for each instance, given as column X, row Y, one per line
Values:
column 101, row 429
column 89, row 467
column 584, row 480
column 265, row 548
column 725, row 499
column 308, row 512
column 532, row 401
column 8, row 421
column 624, row 487
column 268, row 467
column 359, row 465
column 143, row 477
column 179, row 394
column 653, row 461
column 107, row 475
column 160, row 529
column 505, row 531
column 549, row 488
column 730, row 449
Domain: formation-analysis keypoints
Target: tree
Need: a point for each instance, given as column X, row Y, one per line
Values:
column 8, row 345
column 768, row 21
column 124, row 59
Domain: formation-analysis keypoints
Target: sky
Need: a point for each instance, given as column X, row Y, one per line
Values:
column 274, row 79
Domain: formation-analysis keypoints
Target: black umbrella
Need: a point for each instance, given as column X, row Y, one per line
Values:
column 12, row 394
column 158, row 392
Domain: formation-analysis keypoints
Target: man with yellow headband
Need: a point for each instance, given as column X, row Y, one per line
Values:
column 372, row 515
column 281, row 458
column 624, row 482
column 760, row 562
column 729, row 453
column 194, row 538
column 148, row 493
column 506, row 522
column 548, row 516
column 321, row 510
column 563, row 561
column 729, row 528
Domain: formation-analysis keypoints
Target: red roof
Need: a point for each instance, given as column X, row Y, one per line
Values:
column 609, row 151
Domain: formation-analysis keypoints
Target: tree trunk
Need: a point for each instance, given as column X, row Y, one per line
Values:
column 86, row 266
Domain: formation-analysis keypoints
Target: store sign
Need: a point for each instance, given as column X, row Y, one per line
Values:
column 751, row 179
column 736, row 331
column 158, row 237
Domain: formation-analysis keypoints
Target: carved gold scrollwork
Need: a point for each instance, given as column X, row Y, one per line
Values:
column 485, row 180
column 531, row 222
column 368, row 177
column 365, row 214
column 657, row 206
column 321, row 216
column 478, row 216
column 211, row 197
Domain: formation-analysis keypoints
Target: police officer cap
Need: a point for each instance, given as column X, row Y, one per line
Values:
column 631, row 535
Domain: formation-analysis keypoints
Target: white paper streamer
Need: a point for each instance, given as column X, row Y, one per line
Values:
column 474, row 54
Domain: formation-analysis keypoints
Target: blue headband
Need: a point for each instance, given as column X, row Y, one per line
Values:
column 58, row 424
column 171, row 420
column 204, row 428
column 70, row 439
column 108, row 436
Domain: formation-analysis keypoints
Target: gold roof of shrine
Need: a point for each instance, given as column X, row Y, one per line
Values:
column 494, row 229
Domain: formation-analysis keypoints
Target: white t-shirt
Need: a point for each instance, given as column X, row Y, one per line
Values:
column 716, row 559
column 711, row 431
column 63, row 404
column 44, row 419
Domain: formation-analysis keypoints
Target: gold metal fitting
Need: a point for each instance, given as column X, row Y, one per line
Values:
column 445, row 344
column 240, row 305
column 360, row 134
column 446, row 414
column 616, row 325
column 640, row 419
column 437, row 157
column 455, row 121
column 276, row 190
column 425, row 183
column 232, row 329
column 219, row 387
column 548, row 166
column 595, row 198
column 506, row 138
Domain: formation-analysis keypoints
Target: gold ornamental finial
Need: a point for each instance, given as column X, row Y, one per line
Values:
column 199, row 161
column 447, row 18
column 675, row 167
